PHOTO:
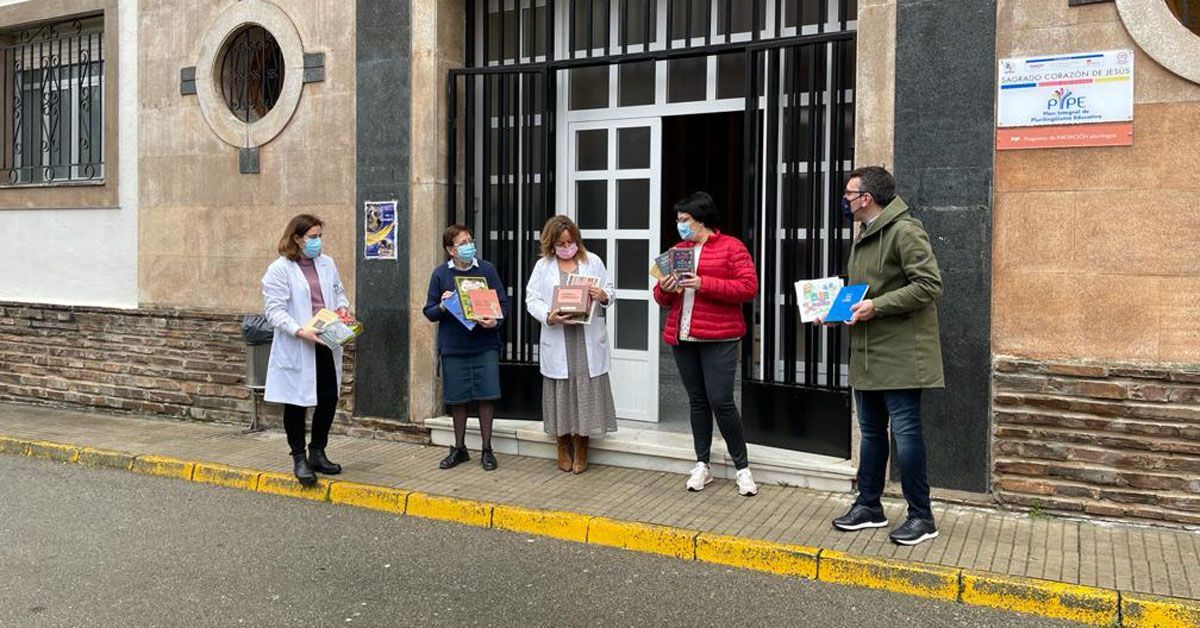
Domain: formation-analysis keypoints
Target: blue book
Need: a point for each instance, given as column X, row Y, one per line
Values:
column 846, row 297
column 454, row 306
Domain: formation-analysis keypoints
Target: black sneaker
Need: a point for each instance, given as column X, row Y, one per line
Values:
column 859, row 517
column 487, row 460
column 914, row 531
column 455, row 457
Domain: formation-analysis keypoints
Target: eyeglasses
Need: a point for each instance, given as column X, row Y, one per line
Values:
column 858, row 192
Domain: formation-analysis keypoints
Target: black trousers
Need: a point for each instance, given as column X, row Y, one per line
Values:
column 708, row 371
column 327, row 397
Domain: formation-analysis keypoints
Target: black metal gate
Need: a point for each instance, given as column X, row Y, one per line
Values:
column 501, row 113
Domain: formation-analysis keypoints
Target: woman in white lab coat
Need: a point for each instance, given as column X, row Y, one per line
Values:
column 303, row 372
column 577, row 400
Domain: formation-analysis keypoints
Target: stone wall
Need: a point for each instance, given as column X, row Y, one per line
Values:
column 169, row 363
column 1109, row 440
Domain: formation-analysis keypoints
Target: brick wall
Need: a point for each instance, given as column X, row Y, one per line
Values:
column 170, row 363
column 1110, row 440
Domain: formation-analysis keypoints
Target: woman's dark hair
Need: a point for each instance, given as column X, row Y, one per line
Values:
column 297, row 226
column 452, row 232
column 701, row 208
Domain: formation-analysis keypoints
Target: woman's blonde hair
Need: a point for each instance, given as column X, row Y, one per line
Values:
column 554, row 228
column 297, row 226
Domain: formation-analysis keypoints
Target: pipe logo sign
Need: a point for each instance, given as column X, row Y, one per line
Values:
column 1044, row 102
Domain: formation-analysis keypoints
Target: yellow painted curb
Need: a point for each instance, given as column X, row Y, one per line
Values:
column 163, row 466
column 567, row 526
column 1138, row 609
column 9, row 445
column 223, row 475
column 463, row 511
column 931, row 581
column 285, row 484
column 777, row 558
column 381, row 498
column 1089, row 605
column 53, row 451
column 643, row 537
column 92, row 457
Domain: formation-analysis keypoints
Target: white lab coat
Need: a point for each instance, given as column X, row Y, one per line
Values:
column 287, row 304
column 539, row 293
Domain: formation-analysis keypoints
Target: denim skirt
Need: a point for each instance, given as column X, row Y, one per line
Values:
column 471, row 377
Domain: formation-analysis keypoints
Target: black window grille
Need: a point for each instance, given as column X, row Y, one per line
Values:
column 252, row 73
column 52, row 90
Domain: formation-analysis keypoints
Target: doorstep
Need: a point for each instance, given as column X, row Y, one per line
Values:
column 657, row 450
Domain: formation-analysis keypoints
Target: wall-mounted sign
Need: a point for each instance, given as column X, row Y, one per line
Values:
column 1052, row 101
column 379, row 239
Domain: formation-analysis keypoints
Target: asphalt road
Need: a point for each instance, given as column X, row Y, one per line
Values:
column 95, row 547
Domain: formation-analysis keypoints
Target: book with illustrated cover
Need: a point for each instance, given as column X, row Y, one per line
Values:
column 815, row 297
column 846, row 297
column 334, row 329
column 464, row 285
column 683, row 261
column 586, row 281
column 571, row 300
column 485, row 302
column 454, row 306
column 662, row 265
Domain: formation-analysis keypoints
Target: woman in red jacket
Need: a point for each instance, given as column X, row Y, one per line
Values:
column 703, row 328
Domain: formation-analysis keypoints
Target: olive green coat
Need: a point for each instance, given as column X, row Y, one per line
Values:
column 899, row 348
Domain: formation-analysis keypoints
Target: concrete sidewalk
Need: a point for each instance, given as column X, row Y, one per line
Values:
column 1126, row 558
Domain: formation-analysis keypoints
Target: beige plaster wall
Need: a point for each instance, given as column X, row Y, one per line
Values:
column 438, row 27
column 1095, row 249
column 207, row 232
column 875, row 85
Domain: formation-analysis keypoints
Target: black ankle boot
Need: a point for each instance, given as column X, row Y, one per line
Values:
column 454, row 458
column 321, row 464
column 304, row 473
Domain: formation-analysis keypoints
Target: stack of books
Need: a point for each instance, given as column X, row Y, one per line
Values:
column 334, row 329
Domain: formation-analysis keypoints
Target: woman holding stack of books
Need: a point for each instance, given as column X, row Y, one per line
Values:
column 303, row 371
column 712, row 276
column 468, row 339
column 568, row 292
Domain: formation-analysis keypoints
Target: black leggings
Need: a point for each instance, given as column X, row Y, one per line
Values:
column 708, row 371
column 327, row 397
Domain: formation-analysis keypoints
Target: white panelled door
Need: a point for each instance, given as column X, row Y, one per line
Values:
column 614, row 196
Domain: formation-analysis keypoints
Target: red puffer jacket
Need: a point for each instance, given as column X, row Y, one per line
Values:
column 727, row 280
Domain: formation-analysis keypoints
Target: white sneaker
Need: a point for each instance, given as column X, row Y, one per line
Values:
column 701, row 477
column 746, row 485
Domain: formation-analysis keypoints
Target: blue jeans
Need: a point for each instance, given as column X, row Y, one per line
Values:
column 903, row 407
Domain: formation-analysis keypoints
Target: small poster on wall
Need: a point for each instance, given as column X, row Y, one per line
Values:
column 379, row 241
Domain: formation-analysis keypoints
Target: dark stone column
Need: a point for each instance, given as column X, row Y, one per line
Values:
column 944, row 155
column 383, row 103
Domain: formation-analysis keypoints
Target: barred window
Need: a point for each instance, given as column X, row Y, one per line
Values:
column 52, row 95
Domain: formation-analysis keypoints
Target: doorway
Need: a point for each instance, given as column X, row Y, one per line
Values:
column 700, row 152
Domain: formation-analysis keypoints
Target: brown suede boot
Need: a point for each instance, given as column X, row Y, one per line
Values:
column 581, row 451
column 564, row 453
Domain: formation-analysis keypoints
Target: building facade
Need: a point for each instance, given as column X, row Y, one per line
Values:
column 155, row 149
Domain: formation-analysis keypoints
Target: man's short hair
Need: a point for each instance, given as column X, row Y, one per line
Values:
column 877, row 182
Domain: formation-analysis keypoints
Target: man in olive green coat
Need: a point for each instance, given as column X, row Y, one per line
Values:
column 895, row 350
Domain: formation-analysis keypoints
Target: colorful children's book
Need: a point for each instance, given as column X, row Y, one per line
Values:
column 662, row 265
column 334, row 329
column 465, row 285
column 485, row 302
column 846, row 297
column 454, row 306
column 587, row 281
column 815, row 297
column 683, row 261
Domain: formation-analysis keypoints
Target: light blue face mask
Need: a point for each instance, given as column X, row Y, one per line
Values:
column 685, row 230
column 466, row 252
column 312, row 247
